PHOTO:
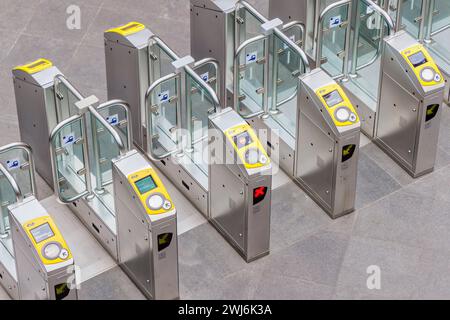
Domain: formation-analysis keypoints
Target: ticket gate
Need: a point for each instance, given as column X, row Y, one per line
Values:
column 328, row 144
column 35, row 261
column 263, row 64
column 428, row 21
column 243, row 216
column 175, row 113
column 356, row 52
column 85, row 138
column 147, row 227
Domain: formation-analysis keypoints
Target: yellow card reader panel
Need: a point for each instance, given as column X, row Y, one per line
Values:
column 47, row 240
column 338, row 105
column 129, row 28
column 35, row 66
column 423, row 65
column 151, row 191
column 247, row 146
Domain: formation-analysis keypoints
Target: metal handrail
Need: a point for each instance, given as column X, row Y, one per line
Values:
column 236, row 70
column 25, row 147
column 69, row 86
column 17, row 192
column 148, row 119
column 126, row 107
column 387, row 18
column 53, row 134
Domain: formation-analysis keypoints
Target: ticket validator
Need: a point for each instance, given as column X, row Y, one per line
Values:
column 35, row 260
column 240, row 180
column 147, row 227
column 328, row 143
column 409, row 109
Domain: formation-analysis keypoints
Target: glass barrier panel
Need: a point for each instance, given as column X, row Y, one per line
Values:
column 411, row 15
column 249, row 25
column 208, row 73
column 160, row 62
column 287, row 67
column 199, row 105
column 251, row 83
column 163, row 105
column 295, row 33
column 68, row 145
column 372, row 30
column 334, row 31
column 441, row 15
column 17, row 162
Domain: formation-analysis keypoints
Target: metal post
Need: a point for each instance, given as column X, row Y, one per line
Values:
column 353, row 73
column 429, row 31
column 345, row 70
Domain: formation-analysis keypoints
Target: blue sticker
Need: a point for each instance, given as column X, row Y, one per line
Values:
column 251, row 57
column 163, row 96
column 335, row 21
column 113, row 119
column 69, row 139
column 13, row 164
column 205, row 76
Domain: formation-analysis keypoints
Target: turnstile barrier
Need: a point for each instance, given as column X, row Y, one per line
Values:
column 35, row 260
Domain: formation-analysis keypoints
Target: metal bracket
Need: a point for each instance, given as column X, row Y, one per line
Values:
column 267, row 28
column 84, row 104
column 183, row 62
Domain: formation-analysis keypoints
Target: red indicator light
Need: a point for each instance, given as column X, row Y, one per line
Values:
column 259, row 194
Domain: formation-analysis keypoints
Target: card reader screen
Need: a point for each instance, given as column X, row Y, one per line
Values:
column 417, row 59
column 41, row 233
column 333, row 98
column 146, row 184
column 243, row 139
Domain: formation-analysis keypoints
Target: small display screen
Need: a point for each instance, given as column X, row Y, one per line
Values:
column 417, row 59
column 41, row 233
column 333, row 98
column 243, row 139
column 146, row 184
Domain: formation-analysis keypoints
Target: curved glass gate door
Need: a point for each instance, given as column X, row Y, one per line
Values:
column 440, row 15
column 370, row 31
column 68, row 145
column 199, row 106
column 163, row 117
column 332, row 37
column 160, row 62
column 287, row 67
column 17, row 161
column 250, row 77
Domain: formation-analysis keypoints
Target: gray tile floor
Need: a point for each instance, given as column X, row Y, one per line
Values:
column 401, row 225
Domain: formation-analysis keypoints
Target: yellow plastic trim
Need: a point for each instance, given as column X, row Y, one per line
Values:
column 35, row 66
column 32, row 224
column 429, row 64
column 132, row 178
column 321, row 92
column 256, row 144
column 127, row 29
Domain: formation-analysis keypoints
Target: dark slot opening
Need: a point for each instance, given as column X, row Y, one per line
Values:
column 74, row 203
column 270, row 145
column 95, row 227
column 185, row 185
column 163, row 162
column 1, row 276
